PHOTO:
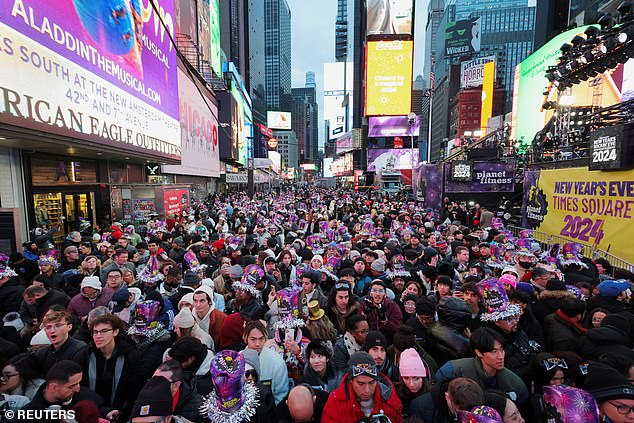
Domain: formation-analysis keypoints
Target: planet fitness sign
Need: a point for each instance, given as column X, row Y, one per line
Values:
column 104, row 72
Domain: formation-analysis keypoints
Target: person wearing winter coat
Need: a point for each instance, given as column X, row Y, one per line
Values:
column 351, row 342
column 113, row 367
column 185, row 325
column 382, row 314
column 10, row 291
column 613, row 297
column 487, row 368
column 376, row 345
column 19, row 378
column 206, row 315
column 267, row 403
column 318, row 371
column 187, row 401
column 549, row 300
column 446, row 339
column 341, row 305
column 364, row 392
column 274, row 371
column 414, row 381
column 612, row 336
column 91, row 295
column 563, row 329
column 195, row 358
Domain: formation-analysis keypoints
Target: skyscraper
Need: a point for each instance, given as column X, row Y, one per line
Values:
column 435, row 11
column 341, row 30
column 257, row 70
column 277, row 45
column 305, row 118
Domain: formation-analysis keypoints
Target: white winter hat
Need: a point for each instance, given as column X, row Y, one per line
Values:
column 40, row 338
column 184, row 319
column 91, row 282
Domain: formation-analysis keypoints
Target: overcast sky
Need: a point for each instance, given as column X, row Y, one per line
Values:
column 313, row 42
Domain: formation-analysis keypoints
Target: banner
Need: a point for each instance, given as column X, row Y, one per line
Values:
column 594, row 208
column 388, row 81
column 463, row 37
column 428, row 185
column 338, row 115
column 349, row 141
column 461, row 171
column 393, row 126
column 199, row 132
column 486, row 177
column 472, row 72
column 278, row 120
column 610, row 149
column 70, row 68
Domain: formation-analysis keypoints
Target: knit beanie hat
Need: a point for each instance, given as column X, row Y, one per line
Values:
column 378, row 266
column 605, row 383
column 155, row 399
column 375, row 339
column 411, row 364
column 362, row 364
column 231, row 331
column 184, row 319
column 91, row 282
column 187, row 298
column 191, row 279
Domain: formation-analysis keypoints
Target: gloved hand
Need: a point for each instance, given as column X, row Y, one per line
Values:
column 380, row 311
column 368, row 306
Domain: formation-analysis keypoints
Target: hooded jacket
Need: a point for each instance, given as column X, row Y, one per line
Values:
column 561, row 335
column 10, row 296
column 339, row 320
column 519, row 350
column 343, row 406
column 548, row 302
column 394, row 318
column 80, row 305
column 445, row 338
column 604, row 339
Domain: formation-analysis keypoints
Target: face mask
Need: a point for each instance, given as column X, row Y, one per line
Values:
column 525, row 264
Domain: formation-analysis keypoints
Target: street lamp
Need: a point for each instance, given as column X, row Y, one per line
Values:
column 411, row 117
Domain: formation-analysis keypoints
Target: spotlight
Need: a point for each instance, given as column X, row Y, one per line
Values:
column 580, row 123
column 622, row 37
column 573, row 113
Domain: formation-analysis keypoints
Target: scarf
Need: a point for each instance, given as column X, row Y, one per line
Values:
column 572, row 322
column 351, row 343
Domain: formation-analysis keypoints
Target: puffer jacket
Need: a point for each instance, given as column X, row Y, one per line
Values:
column 602, row 340
column 343, row 406
column 445, row 338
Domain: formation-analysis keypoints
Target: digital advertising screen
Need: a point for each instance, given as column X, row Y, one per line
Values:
column 334, row 95
column 278, row 120
column 394, row 158
column 393, row 126
column 463, row 37
column 388, row 78
column 389, row 17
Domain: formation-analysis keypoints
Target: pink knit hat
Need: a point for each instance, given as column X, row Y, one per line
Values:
column 411, row 364
column 509, row 279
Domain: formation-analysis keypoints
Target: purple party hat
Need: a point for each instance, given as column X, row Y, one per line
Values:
column 151, row 273
column 192, row 262
column 495, row 300
column 252, row 275
column 232, row 400
column 571, row 252
column 50, row 258
column 5, row 270
column 565, row 404
column 397, row 267
column 144, row 320
column 288, row 308
column 480, row 414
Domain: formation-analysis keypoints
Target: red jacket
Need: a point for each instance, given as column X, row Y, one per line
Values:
column 343, row 407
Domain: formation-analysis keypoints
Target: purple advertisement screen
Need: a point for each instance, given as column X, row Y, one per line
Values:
column 123, row 42
column 487, row 177
column 396, row 158
column 393, row 126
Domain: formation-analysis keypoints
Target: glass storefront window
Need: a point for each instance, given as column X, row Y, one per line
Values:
column 48, row 208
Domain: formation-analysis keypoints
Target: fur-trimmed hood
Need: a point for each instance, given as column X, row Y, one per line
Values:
column 554, row 295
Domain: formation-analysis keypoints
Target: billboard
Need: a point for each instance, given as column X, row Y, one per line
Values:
column 278, row 120
column 485, row 177
column 388, row 79
column 389, row 17
column 343, row 165
column 215, row 57
column 230, row 125
column 393, row 126
column 604, row 90
column 334, row 95
column 326, row 166
column 199, row 132
column 68, row 69
column 593, row 208
column 397, row 159
column 349, row 141
column 472, row 72
column 463, row 37
column 428, row 185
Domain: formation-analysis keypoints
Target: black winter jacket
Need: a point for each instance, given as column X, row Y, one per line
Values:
column 604, row 339
column 445, row 338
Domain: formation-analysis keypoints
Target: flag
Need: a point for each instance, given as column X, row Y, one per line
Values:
column 431, row 80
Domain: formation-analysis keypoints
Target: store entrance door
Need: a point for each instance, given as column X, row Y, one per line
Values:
column 78, row 207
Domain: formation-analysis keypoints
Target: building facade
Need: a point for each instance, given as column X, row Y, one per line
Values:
column 288, row 149
column 277, row 47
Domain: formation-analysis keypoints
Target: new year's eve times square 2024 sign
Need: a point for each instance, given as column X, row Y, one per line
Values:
column 70, row 68
column 591, row 207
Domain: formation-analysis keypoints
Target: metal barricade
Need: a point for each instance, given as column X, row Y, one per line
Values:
column 547, row 240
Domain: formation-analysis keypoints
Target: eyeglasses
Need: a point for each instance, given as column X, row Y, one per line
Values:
column 7, row 376
column 101, row 332
column 622, row 409
column 114, row 277
column 342, row 286
column 364, row 369
column 551, row 363
column 250, row 374
column 377, row 291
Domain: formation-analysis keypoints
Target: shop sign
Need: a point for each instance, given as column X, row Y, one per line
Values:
column 236, row 178
column 486, row 177
column 67, row 70
column 349, row 141
column 51, row 171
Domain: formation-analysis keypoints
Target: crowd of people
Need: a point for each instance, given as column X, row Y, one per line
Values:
column 314, row 305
